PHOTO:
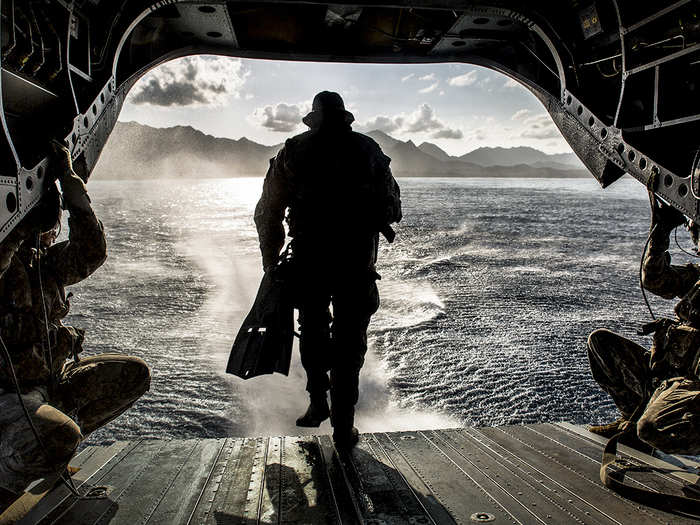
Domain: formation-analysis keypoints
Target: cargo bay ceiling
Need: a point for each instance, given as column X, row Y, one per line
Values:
column 619, row 77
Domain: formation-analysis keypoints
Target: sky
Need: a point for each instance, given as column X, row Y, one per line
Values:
column 456, row 106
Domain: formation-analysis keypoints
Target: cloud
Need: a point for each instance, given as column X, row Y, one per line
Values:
column 520, row 114
column 195, row 80
column 429, row 77
column 540, row 127
column 407, row 77
column 510, row 83
column 478, row 134
column 430, row 88
column 281, row 117
column 464, row 80
column 382, row 123
column 448, row 133
column 422, row 120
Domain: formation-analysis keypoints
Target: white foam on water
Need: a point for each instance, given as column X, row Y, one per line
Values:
column 276, row 401
column 527, row 269
column 379, row 411
column 405, row 304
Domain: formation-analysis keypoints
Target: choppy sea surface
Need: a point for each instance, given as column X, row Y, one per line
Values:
column 488, row 296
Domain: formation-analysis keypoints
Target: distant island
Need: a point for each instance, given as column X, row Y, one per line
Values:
column 136, row 151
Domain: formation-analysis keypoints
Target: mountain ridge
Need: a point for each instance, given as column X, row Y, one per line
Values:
column 138, row 151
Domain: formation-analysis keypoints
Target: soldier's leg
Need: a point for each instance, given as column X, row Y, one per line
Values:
column 314, row 348
column 23, row 458
column 671, row 421
column 315, row 341
column 620, row 367
column 353, row 305
column 97, row 389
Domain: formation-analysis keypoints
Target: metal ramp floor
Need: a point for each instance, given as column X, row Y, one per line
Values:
column 532, row 474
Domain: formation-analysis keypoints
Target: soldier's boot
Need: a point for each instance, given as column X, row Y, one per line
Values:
column 608, row 430
column 345, row 435
column 345, row 438
column 317, row 412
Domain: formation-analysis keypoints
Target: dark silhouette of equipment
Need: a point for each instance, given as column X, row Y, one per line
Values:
column 264, row 342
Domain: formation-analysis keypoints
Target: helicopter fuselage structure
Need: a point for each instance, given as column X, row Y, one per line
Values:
column 619, row 77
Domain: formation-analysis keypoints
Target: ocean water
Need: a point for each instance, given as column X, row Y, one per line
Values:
column 488, row 296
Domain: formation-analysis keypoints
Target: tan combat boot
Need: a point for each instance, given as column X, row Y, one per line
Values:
column 608, row 430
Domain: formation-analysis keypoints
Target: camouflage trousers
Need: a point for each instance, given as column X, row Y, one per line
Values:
column 671, row 418
column 337, row 343
column 89, row 394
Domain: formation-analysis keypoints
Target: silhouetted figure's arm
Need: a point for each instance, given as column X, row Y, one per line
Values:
column 389, row 195
column 269, row 212
column 659, row 276
column 393, row 197
column 9, row 247
column 86, row 248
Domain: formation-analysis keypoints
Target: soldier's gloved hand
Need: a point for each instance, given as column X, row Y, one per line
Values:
column 269, row 265
column 665, row 217
column 694, row 229
column 60, row 161
column 72, row 187
column 658, row 362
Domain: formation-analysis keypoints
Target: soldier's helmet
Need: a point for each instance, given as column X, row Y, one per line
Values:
column 327, row 105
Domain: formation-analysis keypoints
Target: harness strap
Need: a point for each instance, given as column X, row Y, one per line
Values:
column 612, row 474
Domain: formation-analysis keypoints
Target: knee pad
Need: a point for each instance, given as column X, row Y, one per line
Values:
column 139, row 375
column 59, row 434
column 597, row 337
column 648, row 431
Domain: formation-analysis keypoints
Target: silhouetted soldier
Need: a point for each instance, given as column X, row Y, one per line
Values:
column 658, row 391
column 340, row 193
column 66, row 400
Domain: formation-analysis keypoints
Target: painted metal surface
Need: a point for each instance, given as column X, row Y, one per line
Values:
column 533, row 474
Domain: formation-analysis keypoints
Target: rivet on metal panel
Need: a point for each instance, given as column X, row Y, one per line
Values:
column 482, row 517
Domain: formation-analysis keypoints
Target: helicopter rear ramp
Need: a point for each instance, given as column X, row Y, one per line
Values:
column 545, row 473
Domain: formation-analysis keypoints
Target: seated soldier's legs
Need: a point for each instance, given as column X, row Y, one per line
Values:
column 315, row 341
column 23, row 458
column 620, row 367
column 671, row 421
column 353, row 305
column 97, row 389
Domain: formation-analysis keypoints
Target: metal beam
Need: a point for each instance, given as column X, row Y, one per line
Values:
column 667, row 58
column 655, row 16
